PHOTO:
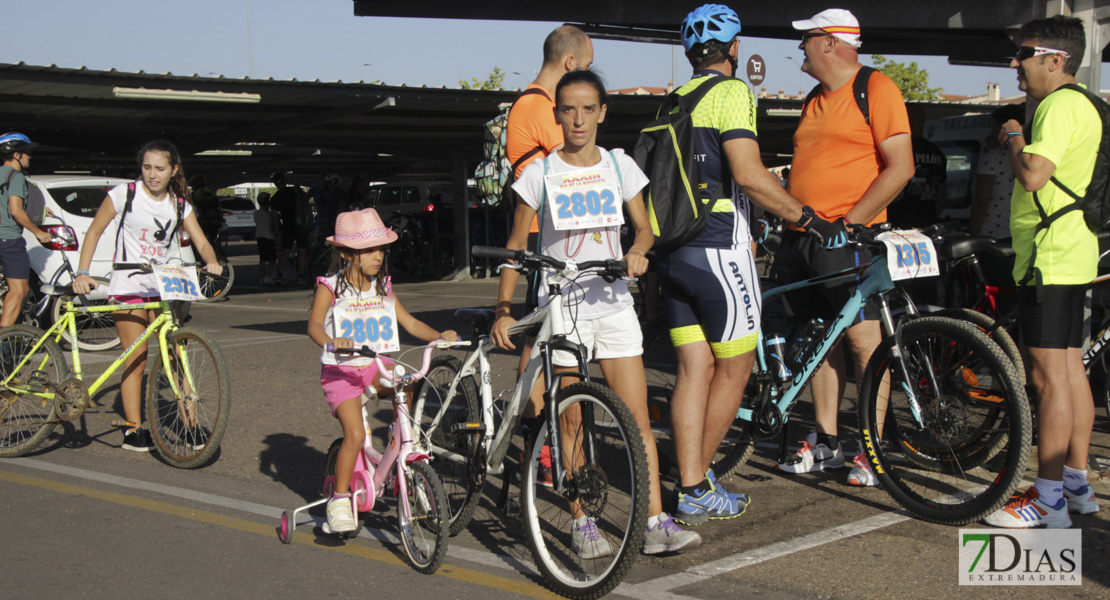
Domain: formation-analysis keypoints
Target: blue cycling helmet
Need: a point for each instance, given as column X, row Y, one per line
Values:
column 709, row 22
column 15, row 142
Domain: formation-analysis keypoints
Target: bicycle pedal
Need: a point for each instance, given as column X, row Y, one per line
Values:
column 467, row 428
column 37, row 382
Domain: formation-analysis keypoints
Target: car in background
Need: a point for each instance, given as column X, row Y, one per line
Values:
column 74, row 199
column 238, row 214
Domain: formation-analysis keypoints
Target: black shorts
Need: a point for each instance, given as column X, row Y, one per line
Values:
column 13, row 257
column 801, row 257
column 266, row 249
column 1054, row 322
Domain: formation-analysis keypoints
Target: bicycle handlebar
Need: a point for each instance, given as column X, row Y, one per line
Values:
column 389, row 374
column 609, row 269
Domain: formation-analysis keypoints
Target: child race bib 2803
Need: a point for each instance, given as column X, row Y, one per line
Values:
column 370, row 322
column 584, row 199
column 177, row 282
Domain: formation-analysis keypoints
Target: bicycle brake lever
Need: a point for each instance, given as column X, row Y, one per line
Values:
column 514, row 267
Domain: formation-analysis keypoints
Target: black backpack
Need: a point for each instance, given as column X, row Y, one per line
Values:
column 1095, row 204
column 665, row 153
column 859, row 92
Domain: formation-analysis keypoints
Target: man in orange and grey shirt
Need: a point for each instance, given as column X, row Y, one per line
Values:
column 846, row 169
column 532, row 133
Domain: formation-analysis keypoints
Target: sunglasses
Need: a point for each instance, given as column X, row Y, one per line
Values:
column 809, row 36
column 1026, row 52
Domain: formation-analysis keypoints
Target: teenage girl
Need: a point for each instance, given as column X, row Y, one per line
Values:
column 161, row 207
column 360, row 273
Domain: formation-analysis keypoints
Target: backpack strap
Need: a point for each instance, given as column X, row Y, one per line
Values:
column 620, row 179
column 1046, row 219
column 8, row 184
column 123, row 217
column 687, row 103
column 859, row 93
column 533, row 151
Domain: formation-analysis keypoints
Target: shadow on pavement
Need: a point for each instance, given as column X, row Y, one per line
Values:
column 289, row 460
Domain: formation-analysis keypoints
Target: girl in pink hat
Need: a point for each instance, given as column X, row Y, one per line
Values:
column 356, row 305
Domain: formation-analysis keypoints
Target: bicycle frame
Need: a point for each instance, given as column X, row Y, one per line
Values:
column 551, row 336
column 876, row 281
column 164, row 324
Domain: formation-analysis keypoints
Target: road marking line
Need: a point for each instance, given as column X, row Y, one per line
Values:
column 523, row 588
column 659, row 589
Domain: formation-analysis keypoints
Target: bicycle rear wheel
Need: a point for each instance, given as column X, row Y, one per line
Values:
column 606, row 480
column 458, row 473
column 966, row 453
column 26, row 420
column 661, row 371
column 216, row 287
column 994, row 330
column 187, row 427
column 95, row 330
column 421, row 518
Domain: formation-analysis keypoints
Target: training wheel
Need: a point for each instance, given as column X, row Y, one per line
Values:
column 285, row 530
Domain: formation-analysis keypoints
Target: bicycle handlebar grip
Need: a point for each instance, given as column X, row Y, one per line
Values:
column 492, row 252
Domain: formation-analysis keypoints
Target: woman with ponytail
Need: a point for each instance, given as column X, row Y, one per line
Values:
column 147, row 216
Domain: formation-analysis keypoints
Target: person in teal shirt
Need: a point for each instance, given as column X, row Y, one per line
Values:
column 15, row 150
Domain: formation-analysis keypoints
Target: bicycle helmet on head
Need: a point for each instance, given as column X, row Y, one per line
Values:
column 15, row 142
column 709, row 22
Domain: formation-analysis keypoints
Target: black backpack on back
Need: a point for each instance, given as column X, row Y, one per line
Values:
column 859, row 92
column 1095, row 204
column 665, row 153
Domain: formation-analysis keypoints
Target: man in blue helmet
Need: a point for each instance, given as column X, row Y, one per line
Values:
column 15, row 149
column 710, row 285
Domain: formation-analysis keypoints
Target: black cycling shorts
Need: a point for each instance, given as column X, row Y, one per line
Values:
column 801, row 257
column 1054, row 322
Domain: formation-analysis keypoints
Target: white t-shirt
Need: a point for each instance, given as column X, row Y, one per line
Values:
column 263, row 223
column 148, row 220
column 332, row 283
column 592, row 297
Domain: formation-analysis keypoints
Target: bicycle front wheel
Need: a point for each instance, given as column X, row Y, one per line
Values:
column 661, row 372
column 956, row 455
column 587, row 530
column 189, row 400
column 421, row 518
column 95, row 330
column 27, row 420
column 216, row 287
column 454, row 451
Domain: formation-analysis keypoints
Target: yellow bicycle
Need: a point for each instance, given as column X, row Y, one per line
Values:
column 188, row 399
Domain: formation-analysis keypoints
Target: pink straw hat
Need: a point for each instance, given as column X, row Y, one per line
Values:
column 361, row 229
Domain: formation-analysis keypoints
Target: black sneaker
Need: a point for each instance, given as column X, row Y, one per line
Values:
column 197, row 437
column 137, row 440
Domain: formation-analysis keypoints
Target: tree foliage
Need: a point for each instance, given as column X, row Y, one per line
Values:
column 911, row 79
column 495, row 81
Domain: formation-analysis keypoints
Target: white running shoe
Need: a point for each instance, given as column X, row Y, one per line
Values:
column 813, row 457
column 667, row 536
column 340, row 517
column 861, row 473
column 1027, row 512
column 587, row 541
column 1082, row 502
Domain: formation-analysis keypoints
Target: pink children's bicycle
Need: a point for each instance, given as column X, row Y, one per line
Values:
column 422, row 514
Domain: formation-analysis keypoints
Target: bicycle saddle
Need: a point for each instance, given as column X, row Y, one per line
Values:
column 959, row 247
column 479, row 318
column 56, row 290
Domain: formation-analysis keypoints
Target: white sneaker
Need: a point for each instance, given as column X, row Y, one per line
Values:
column 340, row 516
column 667, row 536
column 861, row 473
column 1027, row 512
column 812, row 457
column 1082, row 502
column 587, row 541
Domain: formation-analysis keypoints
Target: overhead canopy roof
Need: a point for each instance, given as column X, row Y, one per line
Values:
column 304, row 127
column 966, row 31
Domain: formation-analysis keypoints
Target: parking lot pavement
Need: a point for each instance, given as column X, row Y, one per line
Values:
column 808, row 536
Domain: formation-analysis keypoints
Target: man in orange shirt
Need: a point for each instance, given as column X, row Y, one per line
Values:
column 844, row 168
column 531, row 133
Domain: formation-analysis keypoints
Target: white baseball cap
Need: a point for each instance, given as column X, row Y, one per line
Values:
column 837, row 21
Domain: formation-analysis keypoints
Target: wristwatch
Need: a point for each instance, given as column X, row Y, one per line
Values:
column 807, row 216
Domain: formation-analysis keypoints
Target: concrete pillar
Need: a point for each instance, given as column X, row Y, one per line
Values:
column 462, row 216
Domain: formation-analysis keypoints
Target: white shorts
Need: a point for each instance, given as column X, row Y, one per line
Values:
column 613, row 336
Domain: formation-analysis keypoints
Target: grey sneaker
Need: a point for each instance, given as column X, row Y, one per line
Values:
column 586, row 540
column 667, row 536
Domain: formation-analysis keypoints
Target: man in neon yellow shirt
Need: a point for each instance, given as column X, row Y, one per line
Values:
column 1055, row 265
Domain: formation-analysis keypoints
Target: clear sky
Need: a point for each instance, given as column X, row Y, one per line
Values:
column 322, row 39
